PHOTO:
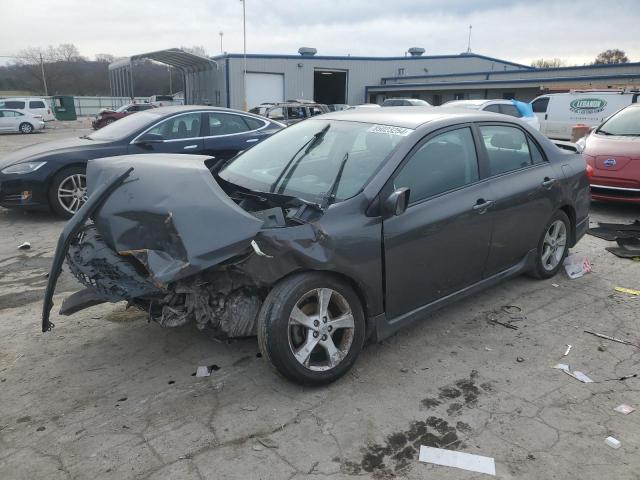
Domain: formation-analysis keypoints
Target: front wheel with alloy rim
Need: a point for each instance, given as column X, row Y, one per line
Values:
column 553, row 246
column 68, row 191
column 311, row 327
column 26, row 128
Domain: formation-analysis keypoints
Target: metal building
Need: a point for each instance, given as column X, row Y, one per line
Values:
column 221, row 80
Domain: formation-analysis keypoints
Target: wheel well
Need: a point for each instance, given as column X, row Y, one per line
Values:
column 53, row 174
column 571, row 213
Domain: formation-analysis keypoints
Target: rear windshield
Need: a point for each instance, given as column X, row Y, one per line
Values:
column 625, row 123
column 12, row 104
column 124, row 127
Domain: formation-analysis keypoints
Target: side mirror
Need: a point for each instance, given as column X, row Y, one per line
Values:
column 397, row 202
column 149, row 138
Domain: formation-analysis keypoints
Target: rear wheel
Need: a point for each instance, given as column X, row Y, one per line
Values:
column 26, row 127
column 68, row 191
column 311, row 327
column 553, row 246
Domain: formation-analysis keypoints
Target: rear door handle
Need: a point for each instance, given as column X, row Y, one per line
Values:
column 482, row 205
column 252, row 140
column 548, row 182
column 190, row 147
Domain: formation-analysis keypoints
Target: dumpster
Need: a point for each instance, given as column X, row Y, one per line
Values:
column 64, row 108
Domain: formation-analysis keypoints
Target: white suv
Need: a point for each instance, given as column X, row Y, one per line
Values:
column 34, row 105
column 506, row 107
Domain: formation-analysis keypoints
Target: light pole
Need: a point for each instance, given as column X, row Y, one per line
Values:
column 221, row 34
column 244, row 42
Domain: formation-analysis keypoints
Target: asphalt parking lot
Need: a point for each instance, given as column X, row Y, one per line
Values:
column 108, row 395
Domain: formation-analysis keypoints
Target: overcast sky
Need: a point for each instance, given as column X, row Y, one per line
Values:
column 520, row 31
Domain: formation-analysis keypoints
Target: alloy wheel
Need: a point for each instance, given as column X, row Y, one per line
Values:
column 26, row 128
column 554, row 245
column 321, row 329
column 72, row 192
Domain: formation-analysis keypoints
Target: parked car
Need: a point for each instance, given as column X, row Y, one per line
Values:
column 52, row 174
column 612, row 152
column 291, row 111
column 33, row 105
column 15, row 121
column 560, row 112
column 337, row 107
column 107, row 117
column 405, row 102
column 337, row 230
column 513, row 108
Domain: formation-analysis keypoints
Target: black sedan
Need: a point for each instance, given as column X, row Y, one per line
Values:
column 51, row 175
column 334, row 231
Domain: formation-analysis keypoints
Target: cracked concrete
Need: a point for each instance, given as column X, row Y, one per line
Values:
column 107, row 395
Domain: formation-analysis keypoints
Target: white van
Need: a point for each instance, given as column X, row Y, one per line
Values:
column 560, row 112
column 33, row 105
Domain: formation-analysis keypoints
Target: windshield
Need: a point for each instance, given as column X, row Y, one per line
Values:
column 124, row 127
column 315, row 159
column 626, row 122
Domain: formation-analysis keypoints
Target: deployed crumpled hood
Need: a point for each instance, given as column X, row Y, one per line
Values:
column 32, row 152
column 170, row 214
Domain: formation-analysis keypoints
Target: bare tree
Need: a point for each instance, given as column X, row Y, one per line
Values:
column 549, row 63
column 196, row 50
column 614, row 55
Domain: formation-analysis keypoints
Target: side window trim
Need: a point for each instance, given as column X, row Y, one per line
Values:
column 390, row 183
column 170, row 118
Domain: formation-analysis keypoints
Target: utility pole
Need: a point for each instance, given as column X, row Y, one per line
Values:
column 244, row 42
column 221, row 34
column 44, row 79
column 170, row 83
column 469, row 41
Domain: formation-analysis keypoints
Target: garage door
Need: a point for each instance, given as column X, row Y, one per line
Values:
column 264, row 87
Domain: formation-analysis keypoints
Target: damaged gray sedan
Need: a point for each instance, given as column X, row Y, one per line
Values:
column 335, row 231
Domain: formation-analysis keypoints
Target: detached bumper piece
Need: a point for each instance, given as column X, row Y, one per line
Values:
column 71, row 229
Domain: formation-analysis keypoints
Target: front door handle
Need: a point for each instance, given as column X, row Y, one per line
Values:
column 252, row 140
column 482, row 205
column 190, row 147
column 548, row 182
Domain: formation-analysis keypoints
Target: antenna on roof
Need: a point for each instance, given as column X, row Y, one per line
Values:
column 469, row 41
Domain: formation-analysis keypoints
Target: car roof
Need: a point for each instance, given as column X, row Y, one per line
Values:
column 409, row 117
column 168, row 110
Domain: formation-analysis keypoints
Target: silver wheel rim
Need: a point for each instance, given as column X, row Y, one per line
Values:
column 554, row 245
column 321, row 329
column 72, row 192
column 26, row 128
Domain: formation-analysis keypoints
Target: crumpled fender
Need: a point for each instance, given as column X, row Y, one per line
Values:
column 171, row 215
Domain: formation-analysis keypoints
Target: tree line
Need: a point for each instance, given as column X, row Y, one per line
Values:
column 66, row 72
column 607, row 57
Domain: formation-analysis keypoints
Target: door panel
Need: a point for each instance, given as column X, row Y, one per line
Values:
column 226, row 134
column 524, row 188
column 439, row 245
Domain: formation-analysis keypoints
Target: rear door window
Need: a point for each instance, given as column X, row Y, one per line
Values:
column 510, row 110
column 36, row 104
column 495, row 108
column 253, row 123
column 13, row 104
column 507, row 148
column 225, row 124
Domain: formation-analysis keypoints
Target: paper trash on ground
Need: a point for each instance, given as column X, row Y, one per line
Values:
column 624, row 409
column 450, row 458
column 575, row 374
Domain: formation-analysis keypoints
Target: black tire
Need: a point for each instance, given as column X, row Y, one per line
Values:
column 539, row 270
column 275, row 331
column 26, row 127
column 58, row 179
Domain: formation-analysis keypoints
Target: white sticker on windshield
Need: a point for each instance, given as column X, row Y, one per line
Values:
column 389, row 130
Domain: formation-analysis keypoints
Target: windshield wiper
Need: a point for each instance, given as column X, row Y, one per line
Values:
column 604, row 132
column 289, row 168
column 331, row 194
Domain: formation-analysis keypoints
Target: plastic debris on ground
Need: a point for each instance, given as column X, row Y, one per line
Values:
column 630, row 291
column 24, row 246
column 566, row 352
column 613, row 339
column 451, row 458
column 576, row 266
column 578, row 375
column 612, row 442
column 203, row 371
column 624, row 409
